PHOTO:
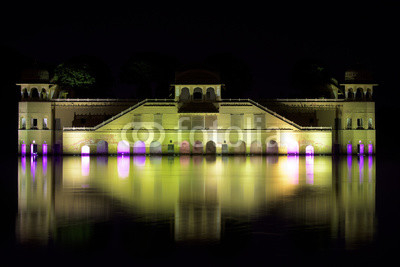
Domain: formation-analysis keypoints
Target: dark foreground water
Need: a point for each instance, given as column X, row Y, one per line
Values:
column 198, row 210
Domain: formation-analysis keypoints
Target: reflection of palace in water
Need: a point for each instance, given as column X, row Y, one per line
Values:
column 195, row 195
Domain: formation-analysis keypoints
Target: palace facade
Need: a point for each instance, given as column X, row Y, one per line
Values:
column 196, row 120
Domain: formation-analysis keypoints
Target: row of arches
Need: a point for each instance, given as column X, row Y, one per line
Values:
column 197, row 94
column 210, row 147
column 359, row 94
column 34, row 93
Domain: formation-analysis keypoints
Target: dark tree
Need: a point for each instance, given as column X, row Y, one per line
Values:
column 234, row 72
column 149, row 74
column 84, row 76
column 311, row 79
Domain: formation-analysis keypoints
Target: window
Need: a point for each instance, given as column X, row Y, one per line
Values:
column 197, row 94
column 259, row 121
column 34, row 123
column 23, row 123
column 137, row 118
column 198, row 122
column 237, row 120
column 45, row 123
column 349, row 123
column 211, row 122
column 370, row 126
column 158, row 119
column 360, row 124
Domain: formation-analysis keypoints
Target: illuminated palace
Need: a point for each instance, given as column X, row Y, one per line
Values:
column 196, row 120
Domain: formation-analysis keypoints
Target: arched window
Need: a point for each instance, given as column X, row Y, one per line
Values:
column 350, row 94
column 185, row 95
column 197, row 93
column 198, row 147
column 210, row 94
column 25, row 93
column 43, row 94
column 309, row 150
column 139, row 147
column 369, row 94
column 360, row 94
column 239, row 147
column 35, row 93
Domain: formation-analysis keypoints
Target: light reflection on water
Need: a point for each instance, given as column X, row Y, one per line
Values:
column 195, row 199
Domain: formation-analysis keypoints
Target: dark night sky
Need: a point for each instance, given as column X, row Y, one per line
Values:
column 269, row 38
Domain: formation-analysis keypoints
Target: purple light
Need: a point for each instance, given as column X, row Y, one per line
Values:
column 293, row 148
column 123, row 148
column 349, row 149
column 23, row 149
column 123, row 163
column 33, row 167
column 139, row 148
column 44, row 149
column 370, row 149
column 139, row 160
column 293, row 168
column 310, row 169
column 85, row 151
column 361, row 149
column 349, row 165
column 370, row 162
column 23, row 164
column 44, row 164
column 85, row 165
column 361, row 169
column 309, row 150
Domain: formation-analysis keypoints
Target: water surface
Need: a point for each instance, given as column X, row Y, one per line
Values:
column 193, row 209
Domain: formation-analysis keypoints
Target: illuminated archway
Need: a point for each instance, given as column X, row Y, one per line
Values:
column 198, row 147
column 272, row 147
column 185, row 148
column 155, row 147
column 256, row 147
column 309, row 150
column 85, row 150
column 240, row 147
column 211, row 147
column 198, row 93
column 102, row 147
column 139, row 147
column 292, row 147
column 123, row 147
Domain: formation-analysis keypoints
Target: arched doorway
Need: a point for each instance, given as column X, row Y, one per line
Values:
column 102, row 147
column 240, row 147
column 292, row 147
column 272, row 147
column 198, row 147
column 85, row 150
column 25, row 93
column 139, row 147
column 256, row 147
column 123, row 147
column 185, row 95
column 155, row 147
column 185, row 148
column 211, row 147
column 309, row 150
